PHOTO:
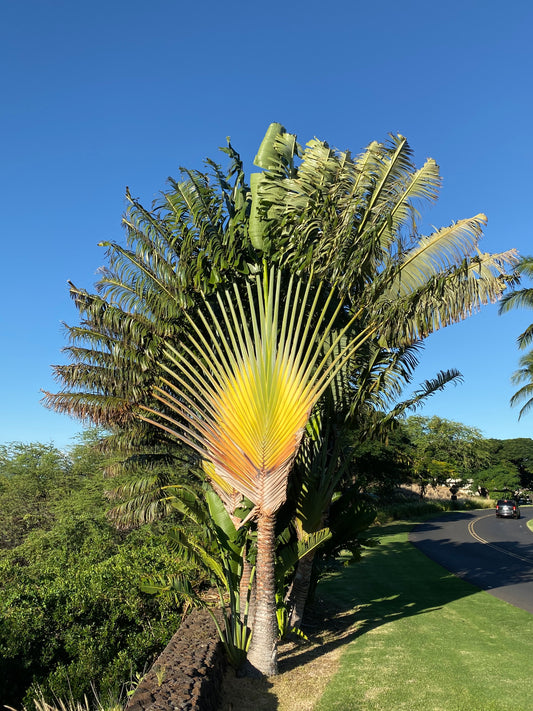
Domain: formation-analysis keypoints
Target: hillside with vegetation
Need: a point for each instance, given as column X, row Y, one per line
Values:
column 73, row 616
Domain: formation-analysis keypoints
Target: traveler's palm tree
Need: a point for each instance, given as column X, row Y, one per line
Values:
column 318, row 213
column 241, row 387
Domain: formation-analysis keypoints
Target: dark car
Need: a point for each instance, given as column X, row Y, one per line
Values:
column 507, row 508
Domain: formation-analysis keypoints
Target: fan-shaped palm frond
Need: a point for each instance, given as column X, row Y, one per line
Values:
column 246, row 393
column 241, row 390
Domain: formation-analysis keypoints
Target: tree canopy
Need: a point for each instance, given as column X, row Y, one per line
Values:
column 72, row 616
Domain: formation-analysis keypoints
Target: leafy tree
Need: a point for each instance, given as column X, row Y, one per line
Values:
column 497, row 479
column 30, row 476
column 519, row 452
column 221, row 554
column 443, row 449
column 380, row 465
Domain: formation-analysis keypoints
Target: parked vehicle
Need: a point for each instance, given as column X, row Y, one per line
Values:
column 507, row 508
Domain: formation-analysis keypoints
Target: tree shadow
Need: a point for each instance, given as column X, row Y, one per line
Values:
column 246, row 692
column 395, row 581
column 362, row 597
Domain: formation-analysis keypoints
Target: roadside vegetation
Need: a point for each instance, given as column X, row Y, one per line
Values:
column 402, row 633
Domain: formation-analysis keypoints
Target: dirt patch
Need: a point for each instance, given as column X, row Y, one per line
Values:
column 304, row 668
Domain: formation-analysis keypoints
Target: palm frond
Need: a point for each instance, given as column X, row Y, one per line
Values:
column 437, row 253
column 247, row 392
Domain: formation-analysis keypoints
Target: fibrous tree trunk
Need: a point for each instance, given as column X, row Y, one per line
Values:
column 299, row 591
column 263, row 653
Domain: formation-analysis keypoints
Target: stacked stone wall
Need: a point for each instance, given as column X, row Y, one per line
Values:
column 187, row 675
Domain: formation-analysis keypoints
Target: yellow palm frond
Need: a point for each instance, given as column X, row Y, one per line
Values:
column 244, row 384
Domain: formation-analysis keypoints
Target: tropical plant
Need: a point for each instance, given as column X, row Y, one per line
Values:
column 41, row 704
column 242, row 395
column 315, row 212
column 193, row 239
column 520, row 298
column 325, row 468
column 221, row 552
column 354, row 222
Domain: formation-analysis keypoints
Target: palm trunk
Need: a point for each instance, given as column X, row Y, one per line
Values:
column 263, row 653
column 300, row 589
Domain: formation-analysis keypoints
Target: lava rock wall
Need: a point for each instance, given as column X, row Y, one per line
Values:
column 188, row 674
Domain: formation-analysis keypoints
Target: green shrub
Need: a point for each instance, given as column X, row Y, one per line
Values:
column 72, row 615
column 407, row 510
column 75, row 619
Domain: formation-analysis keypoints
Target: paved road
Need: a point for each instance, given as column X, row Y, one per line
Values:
column 496, row 554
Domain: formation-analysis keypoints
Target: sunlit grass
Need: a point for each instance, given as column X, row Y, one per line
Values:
column 427, row 640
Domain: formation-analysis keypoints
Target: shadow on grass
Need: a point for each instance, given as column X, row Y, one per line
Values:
column 393, row 581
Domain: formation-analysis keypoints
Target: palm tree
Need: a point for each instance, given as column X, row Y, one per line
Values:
column 314, row 212
column 242, row 387
column 524, row 376
column 191, row 240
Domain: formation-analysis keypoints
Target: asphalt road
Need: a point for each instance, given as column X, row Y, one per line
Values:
column 496, row 554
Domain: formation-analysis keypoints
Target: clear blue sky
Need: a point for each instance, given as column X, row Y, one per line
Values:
column 96, row 96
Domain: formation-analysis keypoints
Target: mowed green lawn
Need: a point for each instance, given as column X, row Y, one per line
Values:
column 427, row 641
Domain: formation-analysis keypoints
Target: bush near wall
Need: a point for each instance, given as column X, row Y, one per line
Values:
column 71, row 611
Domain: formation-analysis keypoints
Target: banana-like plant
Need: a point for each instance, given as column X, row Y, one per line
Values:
column 240, row 391
column 221, row 554
column 354, row 221
column 312, row 211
